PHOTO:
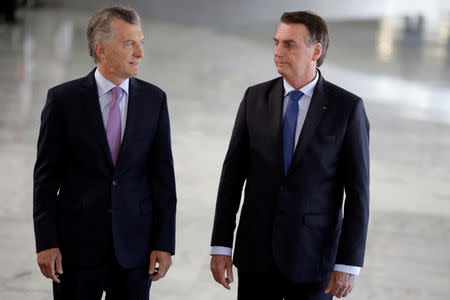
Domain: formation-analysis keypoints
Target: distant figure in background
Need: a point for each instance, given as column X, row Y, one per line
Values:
column 299, row 142
column 9, row 8
column 104, row 187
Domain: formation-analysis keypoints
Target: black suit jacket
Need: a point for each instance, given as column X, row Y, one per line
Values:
column 295, row 220
column 82, row 203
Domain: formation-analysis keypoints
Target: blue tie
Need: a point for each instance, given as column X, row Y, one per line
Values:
column 289, row 126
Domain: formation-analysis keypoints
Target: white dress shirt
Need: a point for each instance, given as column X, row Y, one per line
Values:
column 303, row 106
column 105, row 94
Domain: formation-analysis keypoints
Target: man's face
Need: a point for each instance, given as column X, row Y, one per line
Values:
column 293, row 58
column 120, row 57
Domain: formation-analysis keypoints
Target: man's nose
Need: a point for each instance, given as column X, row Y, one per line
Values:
column 138, row 51
column 278, row 51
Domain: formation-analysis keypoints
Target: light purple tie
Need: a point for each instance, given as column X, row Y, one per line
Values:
column 114, row 127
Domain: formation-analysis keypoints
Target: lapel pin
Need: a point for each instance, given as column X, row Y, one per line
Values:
column 324, row 107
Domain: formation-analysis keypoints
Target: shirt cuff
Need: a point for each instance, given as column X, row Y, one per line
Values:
column 219, row 250
column 347, row 269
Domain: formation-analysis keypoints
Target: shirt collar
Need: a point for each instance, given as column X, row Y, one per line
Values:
column 104, row 85
column 307, row 90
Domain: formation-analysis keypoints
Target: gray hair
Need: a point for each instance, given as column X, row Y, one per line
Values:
column 100, row 29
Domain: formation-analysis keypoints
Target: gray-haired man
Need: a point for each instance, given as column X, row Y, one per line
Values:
column 104, row 187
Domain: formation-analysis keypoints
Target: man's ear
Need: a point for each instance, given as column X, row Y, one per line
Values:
column 99, row 50
column 317, row 51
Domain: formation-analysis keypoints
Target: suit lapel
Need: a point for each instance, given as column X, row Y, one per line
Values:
column 275, row 120
column 94, row 116
column 313, row 117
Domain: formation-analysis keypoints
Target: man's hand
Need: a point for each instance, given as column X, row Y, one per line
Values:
column 50, row 262
column 341, row 284
column 164, row 261
column 220, row 264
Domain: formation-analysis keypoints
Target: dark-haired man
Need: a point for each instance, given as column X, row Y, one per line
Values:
column 104, row 187
column 299, row 142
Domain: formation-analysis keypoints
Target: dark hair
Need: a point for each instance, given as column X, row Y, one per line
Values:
column 100, row 26
column 317, row 29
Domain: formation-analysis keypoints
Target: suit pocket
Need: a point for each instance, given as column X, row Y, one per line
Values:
column 71, row 206
column 145, row 207
column 327, row 139
column 317, row 220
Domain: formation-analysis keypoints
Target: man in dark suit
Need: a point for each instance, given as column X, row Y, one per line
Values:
column 299, row 142
column 104, row 187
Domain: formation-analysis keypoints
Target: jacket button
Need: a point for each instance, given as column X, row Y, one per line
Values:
column 114, row 183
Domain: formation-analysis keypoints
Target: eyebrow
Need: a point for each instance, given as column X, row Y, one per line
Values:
column 126, row 41
column 285, row 41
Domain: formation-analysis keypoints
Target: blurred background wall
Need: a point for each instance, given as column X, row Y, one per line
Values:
column 251, row 11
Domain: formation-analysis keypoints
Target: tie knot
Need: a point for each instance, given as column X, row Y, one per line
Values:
column 117, row 91
column 295, row 95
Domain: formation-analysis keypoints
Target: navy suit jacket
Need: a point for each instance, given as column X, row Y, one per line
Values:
column 82, row 203
column 295, row 220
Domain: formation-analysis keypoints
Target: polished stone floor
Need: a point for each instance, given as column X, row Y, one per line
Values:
column 402, row 75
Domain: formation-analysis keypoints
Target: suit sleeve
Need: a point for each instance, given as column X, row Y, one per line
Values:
column 355, row 168
column 47, row 174
column 234, row 173
column 163, row 186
